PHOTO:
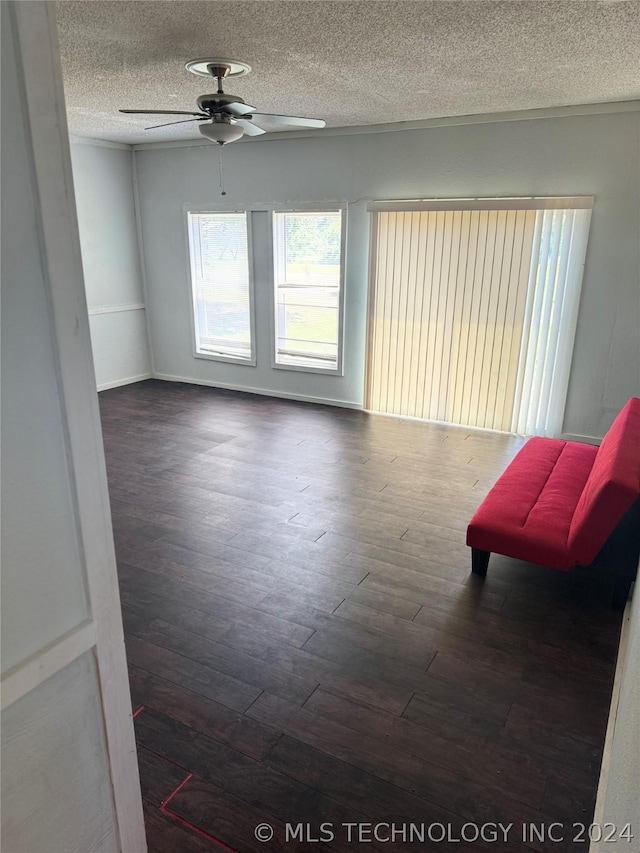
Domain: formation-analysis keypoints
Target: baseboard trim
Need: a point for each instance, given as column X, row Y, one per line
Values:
column 262, row 392
column 447, row 424
column 105, row 386
column 585, row 439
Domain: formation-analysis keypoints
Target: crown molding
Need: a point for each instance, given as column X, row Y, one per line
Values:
column 99, row 143
column 422, row 124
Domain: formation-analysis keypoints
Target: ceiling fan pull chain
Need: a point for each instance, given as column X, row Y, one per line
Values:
column 221, row 170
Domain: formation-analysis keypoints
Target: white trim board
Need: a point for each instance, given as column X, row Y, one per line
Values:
column 100, row 143
column 267, row 207
column 605, row 767
column 129, row 380
column 447, row 424
column 421, row 124
column 323, row 401
column 261, row 392
column 43, row 93
column 28, row 674
column 581, row 202
column 585, row 439
column 114, row 309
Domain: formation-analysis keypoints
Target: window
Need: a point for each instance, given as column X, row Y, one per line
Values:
column 308, row 274
column 221, row 285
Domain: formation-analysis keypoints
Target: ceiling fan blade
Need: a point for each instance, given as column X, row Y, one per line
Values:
column 249, row 127
column 237, row 109
column 164, row 113
column 182, row 121
column 296, row 121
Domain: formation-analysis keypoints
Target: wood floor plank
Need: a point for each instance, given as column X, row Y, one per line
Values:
column 227, row 818
column 433, row 782
column 503, row 656
column 251, row 792
column 350, row 524
column 485, row 762
column 165, row 834
column 344, row 634
column 348, row 676
column 158, row 777
column 188, row 673
column 435, row 593
column 212, row 616
column 381, row 800
column 224, row 659
column 233, row 820
column 221, row 576
column 202, row 714
column 455, row 702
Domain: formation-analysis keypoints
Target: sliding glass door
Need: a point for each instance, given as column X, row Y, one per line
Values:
column 472, row 310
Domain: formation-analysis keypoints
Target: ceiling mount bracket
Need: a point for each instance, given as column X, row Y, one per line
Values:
column 218, row 68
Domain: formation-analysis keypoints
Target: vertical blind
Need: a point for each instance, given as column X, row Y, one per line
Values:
column 466, row 311
column 550, row 318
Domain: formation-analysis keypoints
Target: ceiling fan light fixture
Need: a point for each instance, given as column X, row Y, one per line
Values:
column 221, row 132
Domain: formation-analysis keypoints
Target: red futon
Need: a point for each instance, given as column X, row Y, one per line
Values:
column 559, row 502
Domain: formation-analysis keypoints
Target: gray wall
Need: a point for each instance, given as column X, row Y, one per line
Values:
column 595, row 155
column 103, row 182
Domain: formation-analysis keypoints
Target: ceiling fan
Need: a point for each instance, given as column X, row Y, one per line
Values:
column 226, row 118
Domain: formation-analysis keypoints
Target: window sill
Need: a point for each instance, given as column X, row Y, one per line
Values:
column 303, row 368
column 229, row 359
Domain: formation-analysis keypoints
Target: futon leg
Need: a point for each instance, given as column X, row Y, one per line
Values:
column 479, row 561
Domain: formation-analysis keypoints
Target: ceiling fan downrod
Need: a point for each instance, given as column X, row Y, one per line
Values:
column 219, row 72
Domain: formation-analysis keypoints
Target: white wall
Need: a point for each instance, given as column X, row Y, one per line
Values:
column 619, row 794
column 69, row 777
column 593, row 155
column 103, row 181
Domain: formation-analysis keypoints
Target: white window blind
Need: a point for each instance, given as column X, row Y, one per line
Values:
column 472, row 310
column 221, row 285
column 308, row 272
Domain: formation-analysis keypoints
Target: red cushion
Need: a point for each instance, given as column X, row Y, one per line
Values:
column 612, row 486
column 528, row 513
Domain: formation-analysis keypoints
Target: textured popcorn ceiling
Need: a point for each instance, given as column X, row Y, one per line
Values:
column 350, row 63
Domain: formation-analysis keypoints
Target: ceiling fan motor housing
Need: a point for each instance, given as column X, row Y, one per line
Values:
column 212, row 103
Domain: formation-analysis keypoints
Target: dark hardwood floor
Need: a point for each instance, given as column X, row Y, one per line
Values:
column 307, row 644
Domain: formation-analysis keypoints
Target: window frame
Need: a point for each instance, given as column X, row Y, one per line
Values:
column 192, row 210
column 327, row 207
